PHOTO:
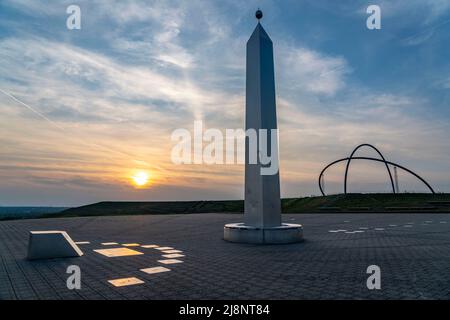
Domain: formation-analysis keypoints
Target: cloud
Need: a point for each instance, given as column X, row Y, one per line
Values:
column 424, row 35
column 138, row 70
column 311, row 71
column 431, row 9
column 92, row 78
column 160, row 41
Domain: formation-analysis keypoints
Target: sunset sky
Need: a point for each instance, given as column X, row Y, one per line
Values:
column 95, row 107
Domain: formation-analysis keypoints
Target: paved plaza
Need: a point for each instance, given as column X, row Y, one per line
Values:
column 412, row 250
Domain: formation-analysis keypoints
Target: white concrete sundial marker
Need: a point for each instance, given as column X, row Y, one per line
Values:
column 118, row 252
column 170, row 261
column 125, row 282
column 172, row 251
column 379, row 229
column 82, row 242
column 353, row 232
column 173, row 256
column 109, row 243
column 131, row 244
column 150, row 246
column 155, row 270
column 164, row 248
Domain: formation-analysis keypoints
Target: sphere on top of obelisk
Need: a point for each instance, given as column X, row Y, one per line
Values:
column 259, row 14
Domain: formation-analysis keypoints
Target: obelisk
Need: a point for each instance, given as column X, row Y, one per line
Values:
column 262, row 213
column 262, row 192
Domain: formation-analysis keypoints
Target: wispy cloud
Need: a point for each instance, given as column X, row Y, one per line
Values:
column 138, row 70
column 312, row 71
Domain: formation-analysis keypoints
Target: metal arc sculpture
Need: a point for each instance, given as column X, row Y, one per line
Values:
column 383, row 160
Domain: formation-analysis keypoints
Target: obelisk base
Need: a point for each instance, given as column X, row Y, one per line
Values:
column 284, row 234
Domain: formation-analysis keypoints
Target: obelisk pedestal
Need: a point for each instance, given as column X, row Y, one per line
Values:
column 262, row 217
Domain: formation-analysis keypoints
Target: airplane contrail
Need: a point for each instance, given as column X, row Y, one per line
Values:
column 32, row 109
column 129, row 156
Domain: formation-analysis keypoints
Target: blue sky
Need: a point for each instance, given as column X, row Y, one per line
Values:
column 107, row 97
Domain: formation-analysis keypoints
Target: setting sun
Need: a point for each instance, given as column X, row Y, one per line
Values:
column 141, row 178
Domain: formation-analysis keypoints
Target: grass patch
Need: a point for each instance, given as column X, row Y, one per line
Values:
column 383, row 203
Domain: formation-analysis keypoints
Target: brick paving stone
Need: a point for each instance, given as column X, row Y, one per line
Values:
column 414, row 261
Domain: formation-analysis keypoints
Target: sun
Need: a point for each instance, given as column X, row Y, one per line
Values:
column 141, row 179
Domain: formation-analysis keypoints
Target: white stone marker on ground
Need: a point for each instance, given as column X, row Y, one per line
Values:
column 51, row 244
column 173, row 256
column 126, row 282
column 155, row 270
column 118, row 252
column 170, row 261
column 172, row 251
column 164, row 248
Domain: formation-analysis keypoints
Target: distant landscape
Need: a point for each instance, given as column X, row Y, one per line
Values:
column 9, row 213
column 375, row 203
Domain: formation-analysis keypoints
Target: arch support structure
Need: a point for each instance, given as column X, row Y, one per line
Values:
column 382, row 160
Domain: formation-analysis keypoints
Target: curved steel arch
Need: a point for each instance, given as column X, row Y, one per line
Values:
column 383, row 160
column 372, row 159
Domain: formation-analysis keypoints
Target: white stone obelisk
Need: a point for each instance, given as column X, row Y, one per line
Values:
column 262, row 213
column 262, row 192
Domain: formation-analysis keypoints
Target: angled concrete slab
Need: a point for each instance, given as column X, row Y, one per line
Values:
column 50, row 245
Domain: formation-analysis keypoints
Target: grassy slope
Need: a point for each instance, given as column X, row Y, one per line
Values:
column 334, row 203
column 365, row 202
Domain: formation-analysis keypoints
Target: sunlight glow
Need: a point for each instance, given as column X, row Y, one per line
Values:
column 141, row 179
